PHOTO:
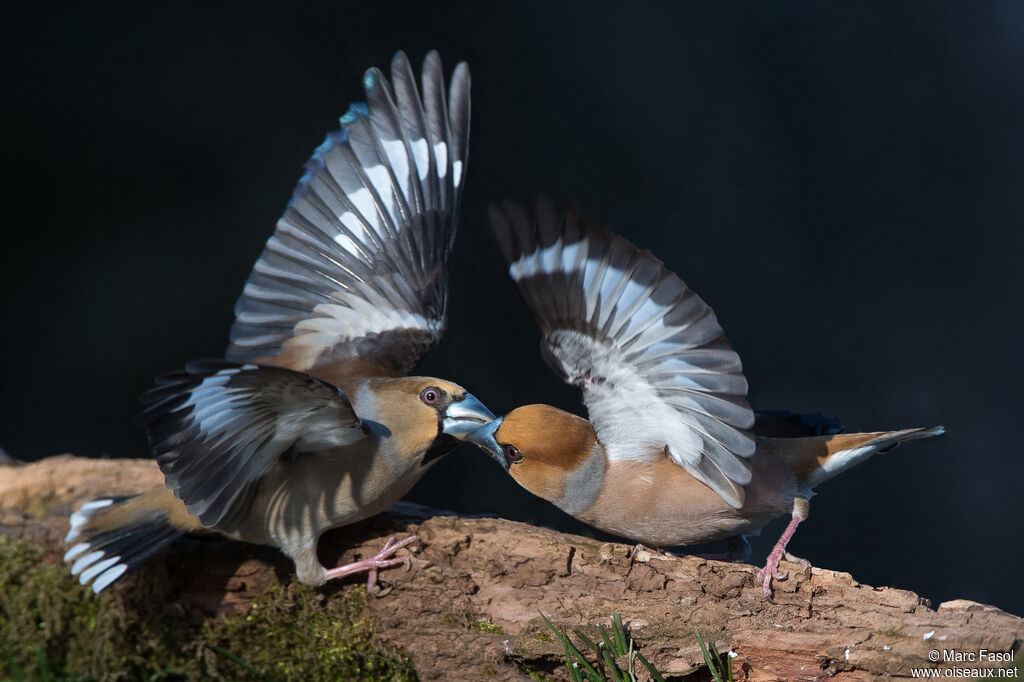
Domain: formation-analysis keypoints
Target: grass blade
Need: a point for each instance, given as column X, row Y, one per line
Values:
column 597, row 651
column 586, row 664
column 13, row 664
column 619, row 631
column 230, row 656
column 630, row 655
column 650, row 668
column 572, row 648
column 607, row 641
column 44, row 666
column 710, row 662
column 610, row 660
column 586, row 640
column 613, row 647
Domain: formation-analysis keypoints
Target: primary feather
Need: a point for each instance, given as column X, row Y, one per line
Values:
column 356, row 271
column 216, row 429
column 657, row 373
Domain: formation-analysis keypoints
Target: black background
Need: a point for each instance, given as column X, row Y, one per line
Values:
column 842, row 184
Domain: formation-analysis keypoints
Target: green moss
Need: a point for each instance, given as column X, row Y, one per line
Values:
column 472, row 620
column 487, row 626
column 543, row 637
column 296, row 632
column 48, row 620
column 53, row 628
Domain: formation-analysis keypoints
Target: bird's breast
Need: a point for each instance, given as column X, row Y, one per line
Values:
column 659, row 503
column 321, row 490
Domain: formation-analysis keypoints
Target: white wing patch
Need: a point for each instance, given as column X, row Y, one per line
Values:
column 378, row 200
column 441, row 158
column 335, row 323
column 657, row 375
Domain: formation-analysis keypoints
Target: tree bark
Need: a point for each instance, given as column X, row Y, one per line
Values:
column 472, row 574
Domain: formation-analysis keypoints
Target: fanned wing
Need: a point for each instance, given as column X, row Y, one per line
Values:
column 657, row 374
column 216, row 428
column 355, row 275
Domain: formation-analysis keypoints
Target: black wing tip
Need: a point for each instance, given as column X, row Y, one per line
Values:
column 501, row 229
column 337, row 169
column 520, row 232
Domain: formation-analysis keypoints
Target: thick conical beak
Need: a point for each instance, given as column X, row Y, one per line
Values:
column 483, row 438
column 465, row 416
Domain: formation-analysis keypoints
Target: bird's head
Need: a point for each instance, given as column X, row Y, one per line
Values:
column 541, row 447
column 426, row 413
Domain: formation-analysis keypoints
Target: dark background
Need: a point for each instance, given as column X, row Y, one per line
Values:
column 842, row 184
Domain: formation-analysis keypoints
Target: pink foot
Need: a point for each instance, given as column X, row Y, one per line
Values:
column 771, row 567
column 372, row 565
column 804, row 563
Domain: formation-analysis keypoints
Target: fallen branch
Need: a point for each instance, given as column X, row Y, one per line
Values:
column 470, row 607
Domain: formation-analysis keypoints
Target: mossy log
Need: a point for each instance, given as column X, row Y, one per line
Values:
column 470, row 606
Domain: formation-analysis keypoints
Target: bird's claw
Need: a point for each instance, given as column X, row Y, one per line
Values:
column 373, row 565
column 804, row 563
column 770, row 571
column 383, row 560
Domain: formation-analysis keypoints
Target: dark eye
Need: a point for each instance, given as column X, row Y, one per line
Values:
column 512, row 453
column 430, row 395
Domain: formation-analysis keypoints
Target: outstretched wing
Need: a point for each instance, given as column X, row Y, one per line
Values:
column 216, row 428
column 657, row 374
column 354, row 278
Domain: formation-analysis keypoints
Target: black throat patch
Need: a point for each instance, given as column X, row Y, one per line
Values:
column 441, row 446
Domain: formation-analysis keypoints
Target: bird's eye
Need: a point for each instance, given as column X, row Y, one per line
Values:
column 512, row 453
column 430, row 395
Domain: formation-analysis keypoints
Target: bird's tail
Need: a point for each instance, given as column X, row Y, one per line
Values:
column 816, row 460
column 109, row 536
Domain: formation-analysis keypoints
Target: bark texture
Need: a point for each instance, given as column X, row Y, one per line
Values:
column 469, row 608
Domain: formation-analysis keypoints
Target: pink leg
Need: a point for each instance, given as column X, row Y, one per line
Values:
column 381, row 560
column 771, row 568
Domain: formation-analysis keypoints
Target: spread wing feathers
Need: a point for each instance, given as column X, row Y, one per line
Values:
column 657, row 374
column 358, row 264
column 216, row 428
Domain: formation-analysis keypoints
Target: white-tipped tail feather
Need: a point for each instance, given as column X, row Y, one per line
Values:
column 109, row 546
column 80, row 517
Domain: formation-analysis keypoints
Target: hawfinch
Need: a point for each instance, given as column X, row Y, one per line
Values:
column 311, row 423
column 673, row 454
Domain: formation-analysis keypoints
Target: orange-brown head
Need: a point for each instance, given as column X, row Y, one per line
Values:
column 551, row 453
column 423, row 414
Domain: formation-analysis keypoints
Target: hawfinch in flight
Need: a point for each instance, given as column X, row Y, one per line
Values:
column 672, row 454
column 310, row 423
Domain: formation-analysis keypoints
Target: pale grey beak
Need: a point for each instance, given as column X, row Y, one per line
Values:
column 465, row 416
column 483, row 438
